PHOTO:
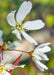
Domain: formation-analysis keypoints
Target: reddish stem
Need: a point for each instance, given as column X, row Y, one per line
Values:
column 16, row 50
column 5, row 40
column 15, row 63
column 0, row 57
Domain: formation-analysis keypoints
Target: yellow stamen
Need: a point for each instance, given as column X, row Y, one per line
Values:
column 19, row 27
column 2, row 68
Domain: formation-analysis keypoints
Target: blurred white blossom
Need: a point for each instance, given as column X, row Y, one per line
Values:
column 19, row 26
column 1, row 40
column 39, row 55
column 4, row 68
column 8, row 45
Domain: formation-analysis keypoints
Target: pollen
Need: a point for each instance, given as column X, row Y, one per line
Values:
column 2, row 68
column 19, row 27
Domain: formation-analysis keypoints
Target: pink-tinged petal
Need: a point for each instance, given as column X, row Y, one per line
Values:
column 28, row 38
column 34, row 25
column 17, row 33
column 11, row 18
column 24, row 9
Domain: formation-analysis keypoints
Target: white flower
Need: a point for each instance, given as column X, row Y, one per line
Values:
column 10, row 45
column 39, row 54
column 13, row 45
column 1, row 40
column 19, row 26
column 4, row 68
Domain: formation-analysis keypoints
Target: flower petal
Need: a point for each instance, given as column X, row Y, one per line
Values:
column 5, row 73
column 11, row 19
column 34, row 25
column 10, row 66
column 44, row 49
column 22, row 66
column 24, row 9
column 45, row 44
column 40, row 65
column 43, row 56
column 29, row 38
column 1, row 33
column 36, row 57
column 1, row 41
column 2, row 62
column 17, row 33
column 13, row 45
column 17, row 43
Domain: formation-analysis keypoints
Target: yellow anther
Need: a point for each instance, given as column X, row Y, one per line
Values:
column 2, row 68
column 19, row 27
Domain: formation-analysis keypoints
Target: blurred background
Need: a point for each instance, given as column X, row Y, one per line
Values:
column 42, row 9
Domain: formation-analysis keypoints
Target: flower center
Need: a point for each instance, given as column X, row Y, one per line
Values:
column 19, row 27
column 2, row 68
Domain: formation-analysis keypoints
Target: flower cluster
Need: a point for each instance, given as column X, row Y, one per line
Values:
column 15, row 19
column 4, row 67
column 39, row 55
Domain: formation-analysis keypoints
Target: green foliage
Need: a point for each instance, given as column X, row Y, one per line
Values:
column 50, row 20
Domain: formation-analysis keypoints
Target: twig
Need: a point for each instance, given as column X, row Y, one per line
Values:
column 5, row 40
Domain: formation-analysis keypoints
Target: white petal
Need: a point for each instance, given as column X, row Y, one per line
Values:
column 34, row 25
column 37, row 64
column 43, row 56
column 1, row 33
column 40, row 65
column 44, row 49
column 22, row 66
column 17, row 33
column 40, row 55
column 1, row 41
column 45, row 44
column 13, row 45
column 11, row 19
column 17, row 43
column 2, row 62
column 5, row 73
column 29, row 38
column 10, row 46
column 10, row 66
column 24, row 9
column 37, row 57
